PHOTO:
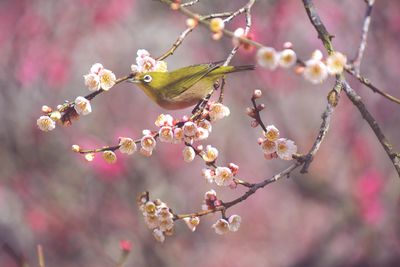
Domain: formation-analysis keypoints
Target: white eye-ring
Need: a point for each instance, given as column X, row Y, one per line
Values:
column 147, row 78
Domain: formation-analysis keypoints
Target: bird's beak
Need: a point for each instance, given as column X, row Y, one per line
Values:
column 133, row 80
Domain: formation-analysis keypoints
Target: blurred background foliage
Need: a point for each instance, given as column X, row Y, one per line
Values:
column 345, row 212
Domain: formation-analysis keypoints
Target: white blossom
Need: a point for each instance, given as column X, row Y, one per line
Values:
column 188, row 154
column 208, row 175
column 287, row 58
column 45, row 123
column 223, row 176
column 192, row 222
column 267, row 57
column 221, row 226
column 166, row 134
column 234, row 223
column 315, row 71
column 127, row 145
column 158, row 235
column 272, row 133
column 107, row 79
column 286, row 148
column 164, row 120
column 82, row 106
column 218, row 111
column 96, row 68
column 336, row 63
column 92, row 81
column 189, row 129
column 148, row 143
column 210, row 154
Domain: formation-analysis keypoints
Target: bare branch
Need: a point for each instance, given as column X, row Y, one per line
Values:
column 323, row 33
column 364, row 35
column 356, row 100
column 375, row 89
column 177, row 43
column 191, row 3
column 323, row 130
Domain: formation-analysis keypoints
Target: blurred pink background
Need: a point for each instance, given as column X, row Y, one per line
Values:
column 345, row 212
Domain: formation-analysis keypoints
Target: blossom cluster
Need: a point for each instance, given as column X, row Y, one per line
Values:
column 316, row 70
column 268, row 57
column 157, row 216
column 221, row 176
column 223, row 225
column 99, row 78
column 146, row 63
column 276, row 147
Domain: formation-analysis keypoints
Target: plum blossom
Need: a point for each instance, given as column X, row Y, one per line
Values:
column 267, row 57
column 336, row 63
column 315, row 71
column 127, row 145
column 221, row 226
column 287, row 58
column 109, row 156
column 188, row 154
column 45, row 123
column 223, row 176
column 192, row 222
column 285, row 148
column 82, row 106
column 234, row 223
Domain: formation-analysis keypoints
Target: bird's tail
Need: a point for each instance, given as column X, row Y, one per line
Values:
column 242, row 68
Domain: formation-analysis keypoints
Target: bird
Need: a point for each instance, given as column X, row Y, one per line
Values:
column 183, row 87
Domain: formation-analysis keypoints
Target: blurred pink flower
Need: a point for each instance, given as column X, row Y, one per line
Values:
column 103, row 170
column 111, row 11
column 368, row 189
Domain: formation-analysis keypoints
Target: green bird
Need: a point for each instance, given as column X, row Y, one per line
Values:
column 183, row 87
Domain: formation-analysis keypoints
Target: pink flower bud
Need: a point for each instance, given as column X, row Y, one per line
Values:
column 288, row 45
column 254, row 124
column 125, row 245
column 257, row 94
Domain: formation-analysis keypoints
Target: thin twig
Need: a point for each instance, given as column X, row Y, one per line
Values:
column 375, row 89
column 323, row 33
column 206, row 23
column 176, row 44
column 356, row 100
column 247, row 10
column 351, row 94
column 68, row 108
column 364, row 35
column 190, row 3
column 323, row 130
column 40, row 256
column 216, row 15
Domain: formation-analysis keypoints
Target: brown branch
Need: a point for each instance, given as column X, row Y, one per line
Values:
column 206, row 23
column 375, row 89
column 364, row 35
column 191, row 3
column 356, row 100
column 68, row 108
column 333, row 99
column 176, row 44
column 323, row 33
column 351, row 94
column 40, row 256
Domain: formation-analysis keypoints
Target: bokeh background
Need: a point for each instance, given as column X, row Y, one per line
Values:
column 344, row 212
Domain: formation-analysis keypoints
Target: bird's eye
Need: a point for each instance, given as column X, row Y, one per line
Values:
column 147, row 78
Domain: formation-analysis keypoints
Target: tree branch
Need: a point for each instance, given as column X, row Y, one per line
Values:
column 364, row 35
column 356, row 100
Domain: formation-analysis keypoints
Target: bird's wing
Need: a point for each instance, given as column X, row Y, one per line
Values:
column 180, row 81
